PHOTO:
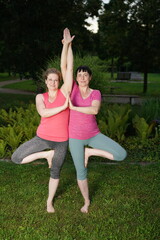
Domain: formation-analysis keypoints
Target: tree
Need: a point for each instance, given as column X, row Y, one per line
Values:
column 112, row 31
column 129, row 30
column 144, row 32
column 31, row 31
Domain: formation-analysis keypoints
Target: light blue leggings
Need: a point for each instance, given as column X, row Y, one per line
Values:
column 99, row 141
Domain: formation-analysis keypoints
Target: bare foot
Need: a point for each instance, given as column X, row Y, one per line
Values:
column 84, row 209
column 50, row 157
column 50, row 208
column 86, row 156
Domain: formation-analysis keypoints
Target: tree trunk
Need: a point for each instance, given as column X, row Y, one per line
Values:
column 145, row 81
column 112, row 68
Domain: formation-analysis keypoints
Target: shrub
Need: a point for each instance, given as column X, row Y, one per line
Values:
column 116, row 121
column 147, row 151
column 17, row 126
column 98, row 78
column 2, row 148
column 150, row 109
column 143, row 129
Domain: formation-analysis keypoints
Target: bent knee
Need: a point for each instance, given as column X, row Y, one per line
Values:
column 121, row 156
column 16, row 159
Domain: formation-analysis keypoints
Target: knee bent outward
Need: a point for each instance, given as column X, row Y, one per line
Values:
column 120, row 156
column 16, row 158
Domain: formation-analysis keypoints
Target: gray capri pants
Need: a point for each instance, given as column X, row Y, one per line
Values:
column 38, row 144
column 100, row 141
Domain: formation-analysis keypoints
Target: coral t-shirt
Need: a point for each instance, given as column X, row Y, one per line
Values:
column 81, row 125
column 54, row 128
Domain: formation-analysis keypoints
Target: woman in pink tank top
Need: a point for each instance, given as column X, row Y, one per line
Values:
column 83, row 131
column 52, row 132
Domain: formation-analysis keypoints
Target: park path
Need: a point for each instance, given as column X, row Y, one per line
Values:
column 14, row 91
column 106, row 98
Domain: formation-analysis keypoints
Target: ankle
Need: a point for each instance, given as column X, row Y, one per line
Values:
column 49, row 202
column 87, row 202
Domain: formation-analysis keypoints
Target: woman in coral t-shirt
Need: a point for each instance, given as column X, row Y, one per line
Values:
column 52, row 133
column 83, row 131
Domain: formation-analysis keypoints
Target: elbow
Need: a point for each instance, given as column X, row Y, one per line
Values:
column 96, row 111
column 43, row 114
column 63, row 67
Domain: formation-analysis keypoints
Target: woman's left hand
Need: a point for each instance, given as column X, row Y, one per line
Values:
column 67, row 38
column 70, row 104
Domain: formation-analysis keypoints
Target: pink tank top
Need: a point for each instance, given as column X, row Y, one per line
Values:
column 83, row 126
column 54, row 128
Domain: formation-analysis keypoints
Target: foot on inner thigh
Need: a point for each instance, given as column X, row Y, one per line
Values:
column 84, row 209
column 86, row 156
column 49, row 158
column 50, row 208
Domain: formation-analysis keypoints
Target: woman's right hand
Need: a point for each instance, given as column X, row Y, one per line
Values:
column 66, row 104
column 67, row 36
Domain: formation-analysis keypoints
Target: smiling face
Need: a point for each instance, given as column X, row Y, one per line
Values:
column 83, row 78
column 52, row 81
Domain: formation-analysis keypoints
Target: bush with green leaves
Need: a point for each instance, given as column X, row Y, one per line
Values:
column 16, row 127
column 2, row 148
column 150, row 109
column 95, row 64
column 116, row 121
column 157, row 132
column 138, row 151
column 143, row 129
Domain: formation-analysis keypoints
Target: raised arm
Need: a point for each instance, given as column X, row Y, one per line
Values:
column 67, row 63
column 67, row 39
column 68, row 79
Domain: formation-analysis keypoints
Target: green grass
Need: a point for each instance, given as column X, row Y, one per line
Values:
column 123, row 87
column 137, row 87
column 28, row 85
column 124, row 203
column 6, row 77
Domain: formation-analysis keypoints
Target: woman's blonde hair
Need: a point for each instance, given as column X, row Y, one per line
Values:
column 52, row 70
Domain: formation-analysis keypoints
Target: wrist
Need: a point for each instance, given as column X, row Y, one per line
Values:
column 63, row 107
column 74, row 108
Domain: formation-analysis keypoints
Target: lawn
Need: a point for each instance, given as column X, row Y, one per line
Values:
column 28, row 85
column 122, row 87
column 124, row 203
column 136, row 88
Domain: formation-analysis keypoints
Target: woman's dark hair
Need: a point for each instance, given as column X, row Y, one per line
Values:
column 84, row 68
column 52, row 70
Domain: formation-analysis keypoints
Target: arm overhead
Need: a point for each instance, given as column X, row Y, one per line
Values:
column 67, row 39
column 67, row 62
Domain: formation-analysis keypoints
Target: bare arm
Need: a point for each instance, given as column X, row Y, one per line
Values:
column 67, row 39
column 68, row 79
column 64, row 59
column 93, row 109
column 48, row 112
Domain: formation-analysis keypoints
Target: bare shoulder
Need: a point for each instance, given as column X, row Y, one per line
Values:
column 39, row 97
